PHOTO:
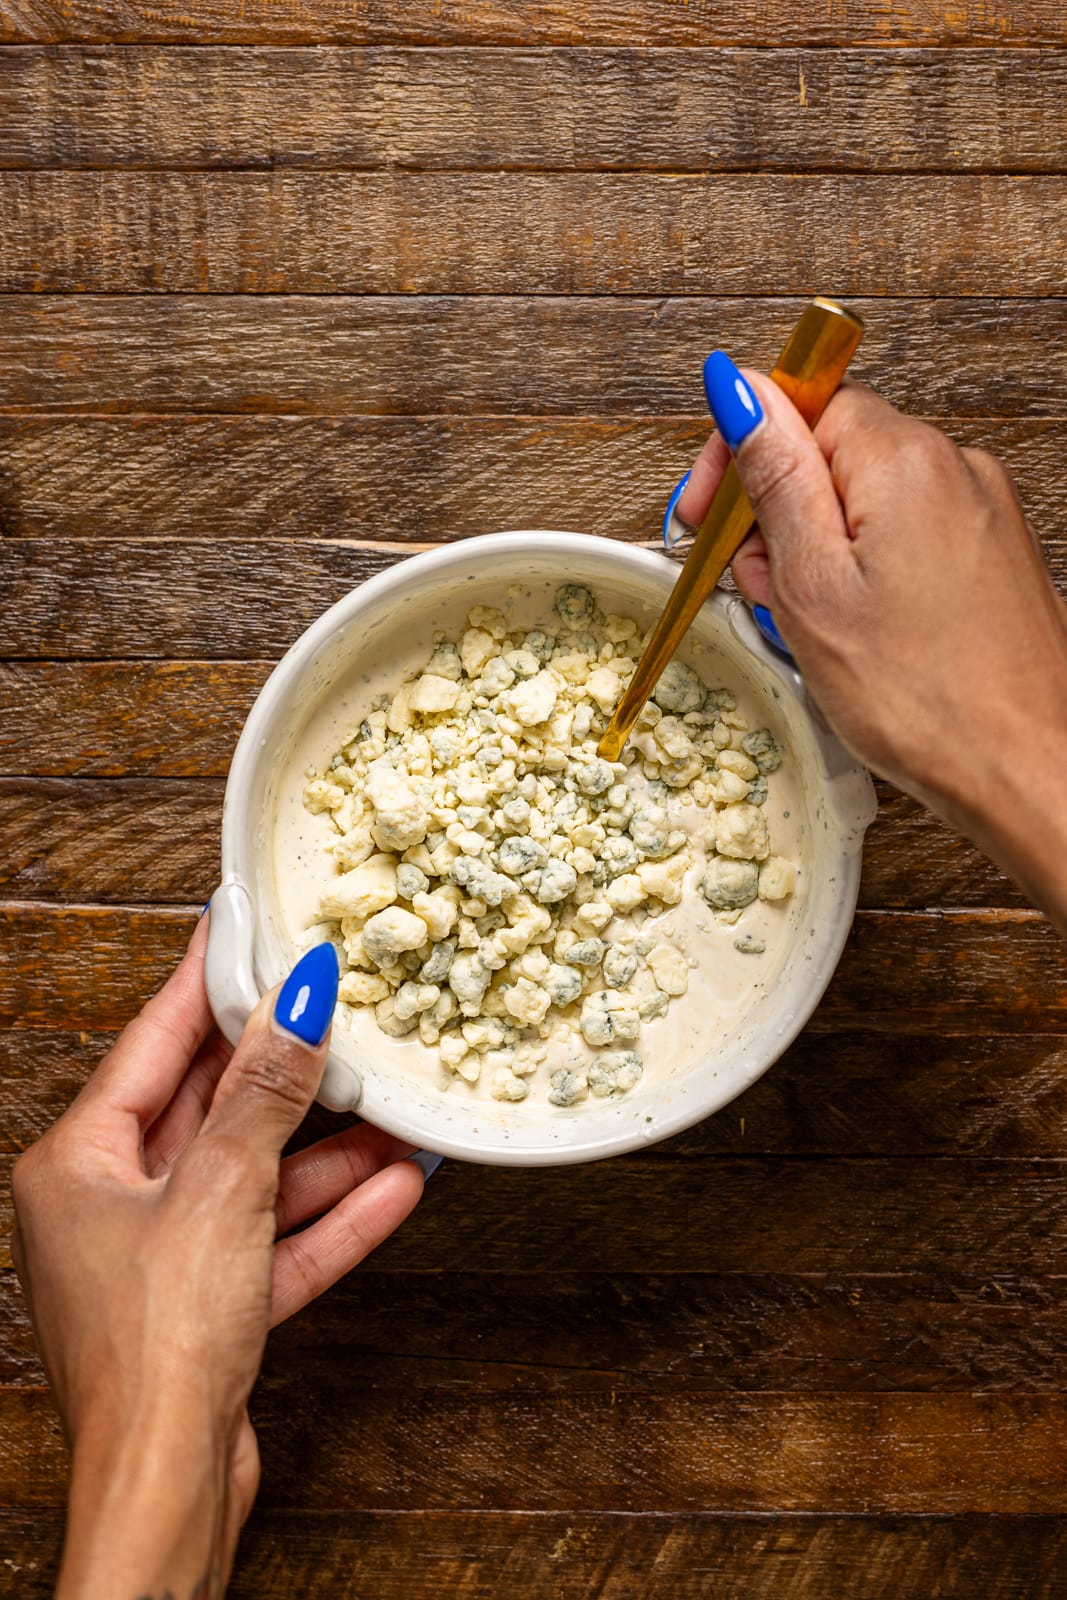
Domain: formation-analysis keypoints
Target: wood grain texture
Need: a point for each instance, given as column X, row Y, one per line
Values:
column 576, row 109
column 424, row 479
column 82, row 600
column 330, row 354
column 584, row 1333
column 966, row 1217
column 570, row 1556
column 966, row 972
column 273, row 317
column 628, row 1452
column 522, row 233
column 1003, row 23
column 120, row 719
column 119, row 839
column 842, row 1452
column 168, row 599
column 912, row 859
column 850, row 1093
column 681, row 1333
column 156, row 840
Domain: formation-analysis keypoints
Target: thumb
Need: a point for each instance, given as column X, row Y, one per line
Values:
column 778, row 460
column 266, row 1090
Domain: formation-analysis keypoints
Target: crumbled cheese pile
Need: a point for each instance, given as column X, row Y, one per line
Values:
column 497, row 877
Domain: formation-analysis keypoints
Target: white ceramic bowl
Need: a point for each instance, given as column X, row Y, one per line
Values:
column 249, row 949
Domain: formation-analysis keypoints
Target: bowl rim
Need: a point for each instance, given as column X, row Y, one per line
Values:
column 387, row 1112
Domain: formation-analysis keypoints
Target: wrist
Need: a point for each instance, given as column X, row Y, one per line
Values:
column 147, row 1510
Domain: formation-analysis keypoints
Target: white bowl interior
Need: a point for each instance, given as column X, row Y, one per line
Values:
column 409, row 602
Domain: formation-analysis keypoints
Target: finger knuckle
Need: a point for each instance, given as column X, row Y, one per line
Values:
column 222, row 1162
column 24, row 1178
column 35, row 1169
column 276, row 1070
column 924, row 451
column 304, row 1268
column 773, row 476
column 35, row 1192
column 991, row 472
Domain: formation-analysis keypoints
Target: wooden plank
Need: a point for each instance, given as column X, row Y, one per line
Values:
column 912, row 859
column 170, row 719
column 37, row 1084
column 965, row 972
column 856, row 1092
column 119, row 839
column 82, row 599
column 902, row 970
column 830, row 1094
column 531, row 233
column 329, row 354
column 627, row 1452
column 422, row 479
column 683, row 1333
column 660, row 1558
column 842, row 1094
column 956, row 972
column 1005, row 23
column 760, row 1215
column 155, row 840
column 423, row 1555
column 65, row 601
column 943, row 1453
column 672, row 110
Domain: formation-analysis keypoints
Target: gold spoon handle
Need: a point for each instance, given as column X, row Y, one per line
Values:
column 809, row 369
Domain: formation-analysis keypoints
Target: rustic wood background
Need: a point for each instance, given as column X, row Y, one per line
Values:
column 291, row 290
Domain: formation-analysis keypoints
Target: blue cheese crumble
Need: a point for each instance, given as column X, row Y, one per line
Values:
column 498, row 883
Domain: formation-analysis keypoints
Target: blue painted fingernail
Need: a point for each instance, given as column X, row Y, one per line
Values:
column 305, row 1003
column 730, row 400
column 426, row 1162
column 207, row 907
column 769, row 629
column 669, row 538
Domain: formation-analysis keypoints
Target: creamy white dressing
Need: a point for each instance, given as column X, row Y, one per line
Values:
column 724, row 983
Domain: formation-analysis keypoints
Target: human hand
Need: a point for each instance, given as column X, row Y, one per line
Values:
column 150, row 1242
column 913, row 593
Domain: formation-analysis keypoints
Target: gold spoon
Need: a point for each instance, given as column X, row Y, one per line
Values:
column 809, row 369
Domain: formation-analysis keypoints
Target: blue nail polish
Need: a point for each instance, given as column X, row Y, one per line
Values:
column 769, row 629
column 305, row 1003
column 670, row 539
column 426, row 1162
column 730, row 400
column 207, row 907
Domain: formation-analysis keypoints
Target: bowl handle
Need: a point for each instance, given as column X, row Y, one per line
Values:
column 233, row 993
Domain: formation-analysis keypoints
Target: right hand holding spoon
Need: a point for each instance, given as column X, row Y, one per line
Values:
column 905, row 579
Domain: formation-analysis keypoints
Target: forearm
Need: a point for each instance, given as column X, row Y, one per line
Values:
column 148, row 1517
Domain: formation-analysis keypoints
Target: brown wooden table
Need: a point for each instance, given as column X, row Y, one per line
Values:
column 291, row 290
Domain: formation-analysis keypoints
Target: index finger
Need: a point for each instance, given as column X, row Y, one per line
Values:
column 705, row 475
